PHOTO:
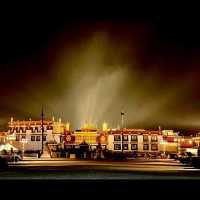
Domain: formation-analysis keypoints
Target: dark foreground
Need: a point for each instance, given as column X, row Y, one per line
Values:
column 99, row 170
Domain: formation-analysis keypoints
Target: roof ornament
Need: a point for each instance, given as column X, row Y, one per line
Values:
column 60, row 120
column 11, row 119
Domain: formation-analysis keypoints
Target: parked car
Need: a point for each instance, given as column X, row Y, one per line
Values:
column 119, row 156
column 195, row 162
column 173, row 156
column 10, row 157
column 15, row 157
column 185, row 158
column 3, row 163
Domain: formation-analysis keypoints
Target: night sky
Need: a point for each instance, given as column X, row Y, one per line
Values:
column 92, row 68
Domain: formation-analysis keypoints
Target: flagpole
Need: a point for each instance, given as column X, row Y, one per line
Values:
column 42, row 116
column 122, row 131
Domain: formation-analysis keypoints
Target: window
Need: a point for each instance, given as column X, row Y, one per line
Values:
column 154, row 147
column 134, row 138
column 23, row 137
column 125, row 146
column 117, row 138
column 49, row 128
column 32, row 130
column 125, row 137
column 44, row 138
column 11, row 130
column 146, row 147
column 61, row 138
column 37, row 138
column 24, row 130
column 32, row 137
column 134, row 147
column 145, row 138
column 154, row 138
column 117, row 146
column 17, row 137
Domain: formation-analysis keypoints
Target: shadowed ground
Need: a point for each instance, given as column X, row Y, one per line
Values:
column 95, row 170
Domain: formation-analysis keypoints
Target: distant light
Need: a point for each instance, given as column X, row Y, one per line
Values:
column 105, row 126
column 182, row 140
column 190, row 141
column 163, row 142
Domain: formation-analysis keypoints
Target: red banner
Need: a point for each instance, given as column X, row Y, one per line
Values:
column 69, row 138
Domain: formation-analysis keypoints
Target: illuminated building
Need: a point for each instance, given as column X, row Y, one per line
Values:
column 134, row 140
column 31, row 132
column 169, row 142
column 88, row 134
column 3, row 137
column 174, row 142
column 59, row 133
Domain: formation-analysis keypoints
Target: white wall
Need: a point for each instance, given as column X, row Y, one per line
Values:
column 140, row 143
column 37, row 145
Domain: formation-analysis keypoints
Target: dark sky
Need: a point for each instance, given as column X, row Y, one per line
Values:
column 92, row 68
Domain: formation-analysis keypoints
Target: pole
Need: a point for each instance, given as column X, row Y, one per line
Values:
column 164, row 149
column 122, row 126
column 42, row 115
column 178, row 145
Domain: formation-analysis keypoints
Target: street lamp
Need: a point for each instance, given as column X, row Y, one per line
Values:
column 177, row 140
column 23, row 141
column 164, row 143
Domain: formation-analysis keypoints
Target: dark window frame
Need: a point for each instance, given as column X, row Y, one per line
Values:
column 32, row 130
column 23, row 137
column 145, row 136
column 44, row 138
column 136, row 145
column 49, row 127
column 61, row 138
column 17, row 137
column 134, row 136
column 38, row 136
column 24, row 130
column 126, row 144
column 117, row 136
column 146, row 149
column 154, row 149
column 36, row 129
column 126, row 137
column 33, row 136
column 154, row 140
column 11, row 130
column 119, row 145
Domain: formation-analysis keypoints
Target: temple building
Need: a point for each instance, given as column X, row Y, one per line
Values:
column 26, row 135
column 137, row 140
column 88, row 134
column 3, row 137
column 29, row 132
